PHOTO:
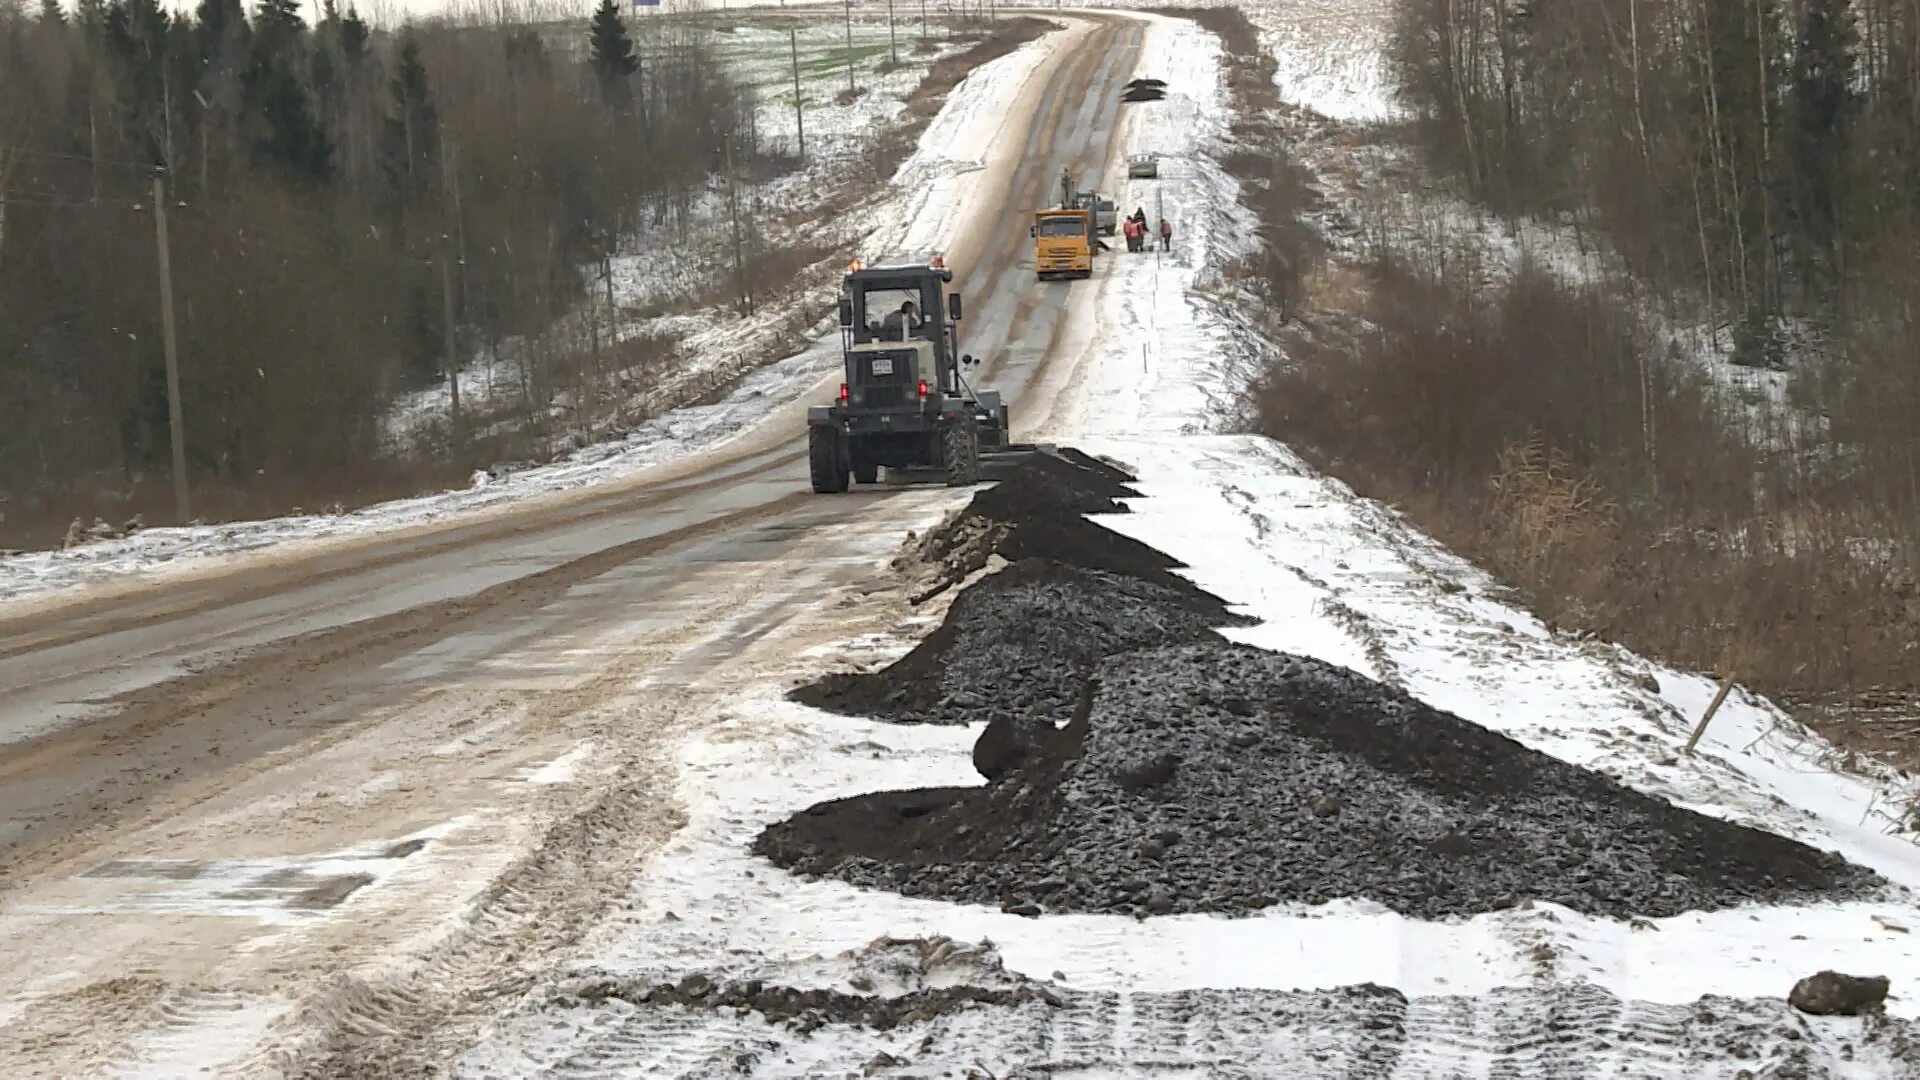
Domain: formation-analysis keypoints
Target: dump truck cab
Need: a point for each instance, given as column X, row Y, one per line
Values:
column 903, row 402
column 1106, row 213
column 1063, row 242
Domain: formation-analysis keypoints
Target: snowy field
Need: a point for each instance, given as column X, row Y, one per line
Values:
column 1329, row 575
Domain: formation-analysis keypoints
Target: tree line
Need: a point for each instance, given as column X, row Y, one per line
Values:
column 1757, row 161
column 334, row 191
column 1752, row 163
column 1762, row 151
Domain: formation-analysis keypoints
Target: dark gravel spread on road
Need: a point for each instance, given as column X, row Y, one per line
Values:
column 1141, row 764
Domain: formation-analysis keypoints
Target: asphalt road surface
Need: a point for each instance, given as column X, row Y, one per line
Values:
column 197, row 772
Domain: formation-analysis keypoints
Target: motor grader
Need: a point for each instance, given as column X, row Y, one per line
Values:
column 904, row 404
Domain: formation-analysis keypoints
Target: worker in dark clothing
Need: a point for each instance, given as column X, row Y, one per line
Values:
column 1166, row 235
column 903, row 321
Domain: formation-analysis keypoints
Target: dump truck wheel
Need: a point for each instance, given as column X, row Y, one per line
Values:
column 826, row 465
column 962, row 452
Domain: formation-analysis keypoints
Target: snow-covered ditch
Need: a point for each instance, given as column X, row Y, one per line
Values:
column 921, row 209
column 1329, row 575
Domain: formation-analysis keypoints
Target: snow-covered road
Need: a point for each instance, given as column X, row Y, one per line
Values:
column 1151, row 358
column 471, row 830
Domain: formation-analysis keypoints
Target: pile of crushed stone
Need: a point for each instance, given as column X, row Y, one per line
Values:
column 1019, row 645
column 1140, row 764
column 1223, row 778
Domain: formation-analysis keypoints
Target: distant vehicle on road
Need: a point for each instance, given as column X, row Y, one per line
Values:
column 1143, row 166
column 1062, row 243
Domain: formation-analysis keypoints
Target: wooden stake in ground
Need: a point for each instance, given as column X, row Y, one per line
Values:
column 1700, row 729
column 799, row 115
column 182, row 508
column 893, row 55
column 733, row 216
column 851, row 89
column 452, row 355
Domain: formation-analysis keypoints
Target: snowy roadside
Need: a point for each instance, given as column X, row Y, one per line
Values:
column 1333, row 75
column 657, row 286
column 1328, row 575
column 923, row 206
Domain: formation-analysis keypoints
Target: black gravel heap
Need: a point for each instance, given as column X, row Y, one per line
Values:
column 1019, row 645
column 1190, row 774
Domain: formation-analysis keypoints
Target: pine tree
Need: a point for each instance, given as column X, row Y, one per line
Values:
column 613, row 56
column 135, row 35
column 50, row 13
column 217, row 23
column 277, row 25
column 412, row 137
column 286, row 133
column 354, row 33
column 1822, row 105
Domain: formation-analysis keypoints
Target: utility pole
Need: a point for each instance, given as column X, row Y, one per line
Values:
column 733, row 214
column 799, row 114
column 923, row 20
column 452, row 359
column 182, row 508
column 893, row 55
column 851, row 89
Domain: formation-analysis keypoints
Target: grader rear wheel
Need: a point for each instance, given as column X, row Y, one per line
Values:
column 961, row 448
column 826, row 460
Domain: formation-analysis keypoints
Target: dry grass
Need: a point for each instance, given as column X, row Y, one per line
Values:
column 1512, row 427
column 1272, row 185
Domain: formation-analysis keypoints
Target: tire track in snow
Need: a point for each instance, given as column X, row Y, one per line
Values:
column 1355, row 1032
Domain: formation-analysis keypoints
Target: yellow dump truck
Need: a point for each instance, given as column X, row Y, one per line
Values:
column 1063, row 243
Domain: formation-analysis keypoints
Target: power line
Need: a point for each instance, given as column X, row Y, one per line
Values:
column 109, row 162
column 83, row 202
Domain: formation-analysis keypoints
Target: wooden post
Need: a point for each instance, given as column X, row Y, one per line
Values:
column 1700, row 729
column 733, row 214
column 893, row 54
column 799, row 114
column 850, row 87
column 182, row 508
column 452, row 359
